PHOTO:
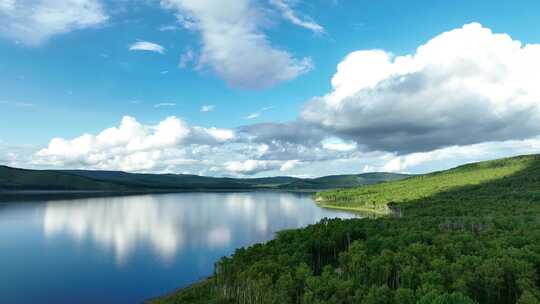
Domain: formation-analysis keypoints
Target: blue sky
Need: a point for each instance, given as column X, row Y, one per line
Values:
column 66, row 77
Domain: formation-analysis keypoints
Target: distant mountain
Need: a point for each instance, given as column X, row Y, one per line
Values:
column 22, row 179
column 160, row 181
column 344, row 181
column 13, row 179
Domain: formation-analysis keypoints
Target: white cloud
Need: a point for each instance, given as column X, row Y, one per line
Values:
column 251, row 166
column 34, row 22
column 258, row 113
column 337, row 144
column 164, row 104
column 234, row 46
column 172, row 146
column 208, row 108
column 215, row 134
column 186, row 58
column 289, row 14
column 289, row 165
column 147, row 46
column 168, row 28
column 133, row 146
column 463, row 87
column 253, row 115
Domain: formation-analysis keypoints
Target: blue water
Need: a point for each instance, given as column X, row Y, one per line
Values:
column 128, row 249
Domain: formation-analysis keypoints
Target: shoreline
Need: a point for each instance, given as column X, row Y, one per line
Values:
column 325, row 204
column 30, row 195
column 354, row 209
column 203, row 282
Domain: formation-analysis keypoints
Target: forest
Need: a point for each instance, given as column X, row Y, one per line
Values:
column 466, row 235
column 20, row 180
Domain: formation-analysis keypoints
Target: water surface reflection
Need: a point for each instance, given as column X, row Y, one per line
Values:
column 139, row 246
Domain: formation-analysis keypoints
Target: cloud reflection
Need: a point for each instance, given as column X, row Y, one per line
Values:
column 168, row 224
column 116, row 223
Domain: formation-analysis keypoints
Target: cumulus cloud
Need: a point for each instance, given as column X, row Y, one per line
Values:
column 252, row 166
column 147, row 46
column 233, row 44
column 212, row 135
column 465, row 86
column 288, row 13
column 289, row 165
column 132, row 146
column 173, row 146
column 337, row 144
column 34, row 22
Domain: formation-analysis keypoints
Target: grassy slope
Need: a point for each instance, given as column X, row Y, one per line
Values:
column 457, row 225
column 378, row 197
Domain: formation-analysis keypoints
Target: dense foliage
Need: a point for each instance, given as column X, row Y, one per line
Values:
column 21, row 179
column 469, row 235
column 381, row 195
column 343, row 181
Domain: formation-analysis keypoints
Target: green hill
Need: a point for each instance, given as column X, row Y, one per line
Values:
column 378, row 197
column 21, row 179
column 161, row 181
column 116, row 181
column 344, row 181
column 462, row 236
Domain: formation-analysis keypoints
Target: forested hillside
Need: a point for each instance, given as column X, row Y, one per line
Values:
column 13, row 179
column 378, row 197
column 344, row 181
column 468, row 235
column 20, row 179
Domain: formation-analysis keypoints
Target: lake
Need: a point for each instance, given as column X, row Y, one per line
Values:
column 131, row 248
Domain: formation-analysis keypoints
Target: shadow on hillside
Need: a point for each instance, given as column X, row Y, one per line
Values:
column 511, row 195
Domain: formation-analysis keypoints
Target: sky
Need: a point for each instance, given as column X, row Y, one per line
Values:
column 267, row 87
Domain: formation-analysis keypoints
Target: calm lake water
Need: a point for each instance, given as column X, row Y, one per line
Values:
column 128, row 249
